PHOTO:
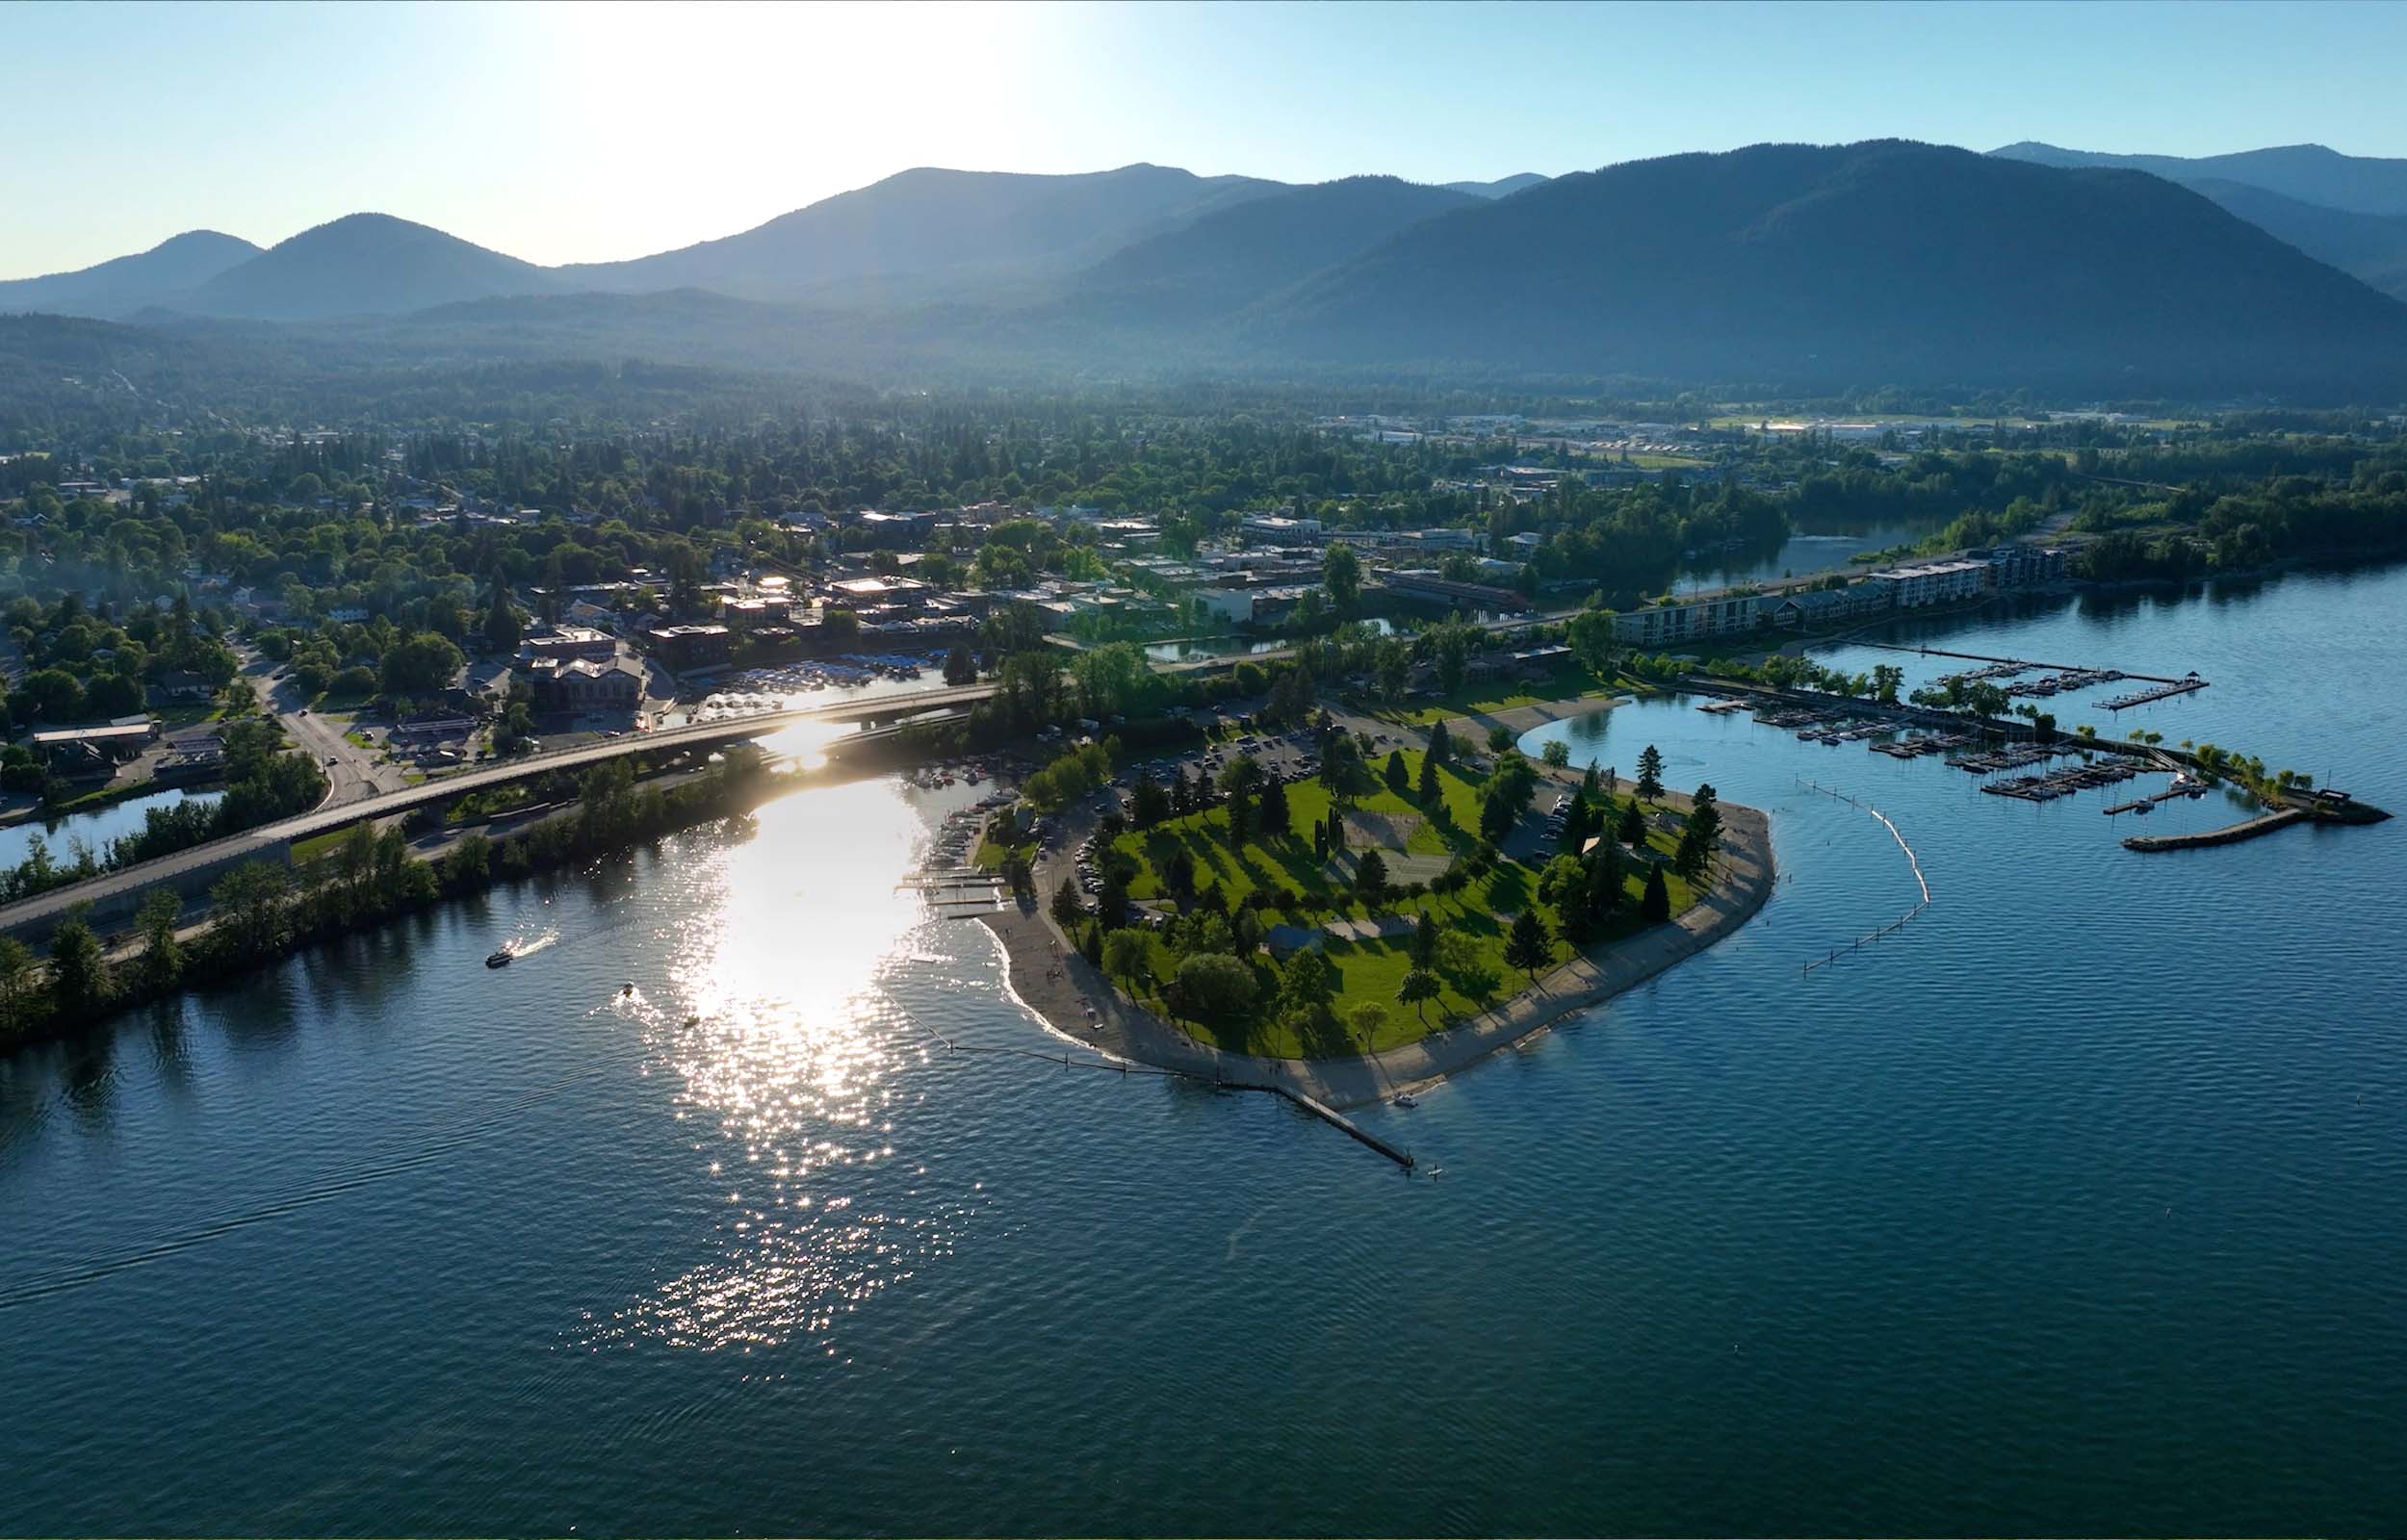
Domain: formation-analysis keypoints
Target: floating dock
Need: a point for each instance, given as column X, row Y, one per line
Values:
column 2162, row 692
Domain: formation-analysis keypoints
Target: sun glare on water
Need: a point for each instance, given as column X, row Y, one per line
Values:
column 781, row 1043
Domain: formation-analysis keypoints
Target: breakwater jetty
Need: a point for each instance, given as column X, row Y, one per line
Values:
column 2227, row 834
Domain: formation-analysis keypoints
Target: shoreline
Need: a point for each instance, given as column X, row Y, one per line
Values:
column 1077, row 1002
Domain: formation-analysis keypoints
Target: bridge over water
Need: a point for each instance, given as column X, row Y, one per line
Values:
column 114, row 896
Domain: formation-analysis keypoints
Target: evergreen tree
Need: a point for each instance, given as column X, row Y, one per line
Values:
column 501, row 632
column 1370, row 875
column 1336, row 831
column 1090, row 944
column 1633, row 824
column 1398, row 780
column 1649, row 774
column 1148, row 803
column 1276, row 817
column 1441, row 745
column 1705, row 811
column 961, row 665
column 1067, row 905
column 1604, row 881
column 1425, row 941
column 1527, row 945
column 1654, row 906
column 1579, row 821
column 1428, row 793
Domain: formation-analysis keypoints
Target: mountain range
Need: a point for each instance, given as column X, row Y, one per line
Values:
column 1886, row 261
column 2347, row 210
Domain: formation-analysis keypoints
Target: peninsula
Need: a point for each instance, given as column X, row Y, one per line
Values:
column 1352, row 911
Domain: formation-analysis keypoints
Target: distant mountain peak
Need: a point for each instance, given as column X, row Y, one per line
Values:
column 2311, row 173
column 125, row 285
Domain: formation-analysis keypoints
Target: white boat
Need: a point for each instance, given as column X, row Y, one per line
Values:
column 1404, row 1098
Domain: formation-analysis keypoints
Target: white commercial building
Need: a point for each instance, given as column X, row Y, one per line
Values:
column 1934, row 582
column 1663, row 625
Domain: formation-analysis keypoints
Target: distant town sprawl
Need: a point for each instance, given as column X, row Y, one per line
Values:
column 439, row 595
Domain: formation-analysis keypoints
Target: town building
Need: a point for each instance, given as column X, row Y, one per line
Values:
column 896, row 532
column 1933, row 582
column 691, row 645
column 581, row 684
column 1807, row 609
column 1277, row 529
column 2022, row 566
column 1432, row 588
column 859, row 594
column 571, row 641
column 1232, row 604
column 80, row 750
column 1662, row 625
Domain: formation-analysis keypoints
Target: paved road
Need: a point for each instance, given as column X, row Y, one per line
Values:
column 353, row 771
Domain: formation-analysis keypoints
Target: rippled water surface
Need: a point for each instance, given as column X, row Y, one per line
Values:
column 2078, row 1205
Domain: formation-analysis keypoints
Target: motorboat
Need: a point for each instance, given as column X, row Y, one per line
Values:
column 501, row 960
column 1404, row 1098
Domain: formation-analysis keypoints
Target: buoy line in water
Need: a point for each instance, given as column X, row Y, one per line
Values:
column 1912, row 861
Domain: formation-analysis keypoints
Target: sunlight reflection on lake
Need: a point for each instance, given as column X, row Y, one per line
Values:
column 782, row 1045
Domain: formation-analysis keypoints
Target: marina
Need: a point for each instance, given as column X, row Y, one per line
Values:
column 2062, row 783
column 2071, row 678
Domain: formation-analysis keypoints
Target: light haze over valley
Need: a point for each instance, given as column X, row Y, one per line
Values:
column 1203, row 769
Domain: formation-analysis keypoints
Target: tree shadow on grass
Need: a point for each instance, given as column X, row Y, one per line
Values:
column 1509, row 887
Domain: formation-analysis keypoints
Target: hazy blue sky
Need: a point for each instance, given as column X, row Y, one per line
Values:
column 588, row 132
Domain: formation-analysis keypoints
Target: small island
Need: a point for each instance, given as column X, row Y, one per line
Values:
column 1350, row 907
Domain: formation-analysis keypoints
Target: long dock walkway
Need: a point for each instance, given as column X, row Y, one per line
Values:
column 2026, row 662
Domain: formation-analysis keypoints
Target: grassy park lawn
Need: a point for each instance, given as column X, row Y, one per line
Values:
column 1472, row 922
column 992, row 853
column 1567, row 681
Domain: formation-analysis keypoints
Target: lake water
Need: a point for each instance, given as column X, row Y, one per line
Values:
column 95, row 829
column 2080, row 1205
column 1803, row 552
